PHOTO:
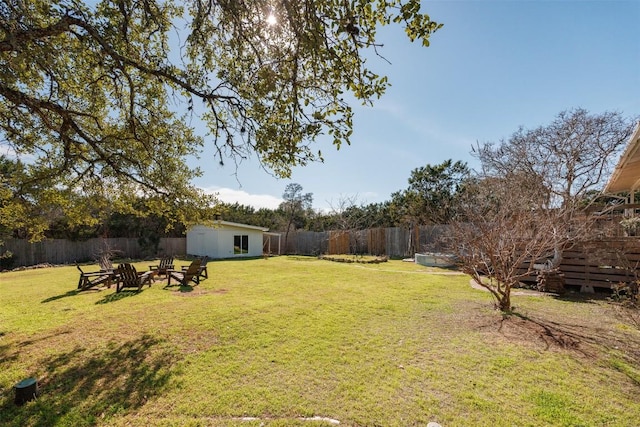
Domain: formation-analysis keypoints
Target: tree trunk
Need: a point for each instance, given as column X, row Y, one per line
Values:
column 504, row 302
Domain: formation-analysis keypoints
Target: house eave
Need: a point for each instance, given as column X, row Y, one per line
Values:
column 626, row 175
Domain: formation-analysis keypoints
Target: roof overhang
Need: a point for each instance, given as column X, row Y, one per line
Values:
column 626, row 175
column 238, row 225
column 219, row 223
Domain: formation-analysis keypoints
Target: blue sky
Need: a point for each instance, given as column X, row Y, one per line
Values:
column 494, row 66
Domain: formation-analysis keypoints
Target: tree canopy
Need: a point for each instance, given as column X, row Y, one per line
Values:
column 572, row 155
column 432, row 194
column 295, row 204
column 99, row 100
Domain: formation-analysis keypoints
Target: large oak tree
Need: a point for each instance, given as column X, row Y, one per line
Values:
column 99, row 99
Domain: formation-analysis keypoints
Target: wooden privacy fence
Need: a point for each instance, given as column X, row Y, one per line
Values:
column 392, row 242
column 596, row 264
column 376, row 241
column 339, row 242
column 60, row 251
column 305, row 242
column 602, row 263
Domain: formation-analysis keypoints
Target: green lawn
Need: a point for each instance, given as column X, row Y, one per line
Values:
column 283, row 340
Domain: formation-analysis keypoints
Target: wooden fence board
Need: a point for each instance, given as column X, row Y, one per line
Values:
column 307, row 243
column 339, row 242
column 376, row 238
column 601, row 264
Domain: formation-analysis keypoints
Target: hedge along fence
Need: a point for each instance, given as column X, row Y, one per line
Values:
column 60, row 251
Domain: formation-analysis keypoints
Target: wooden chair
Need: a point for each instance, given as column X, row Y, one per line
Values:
column 161, row 269
column 127, row 277
column 203, row 268
column 202, row 274
column 105, row 264
column 191, row 274
column 91, row 279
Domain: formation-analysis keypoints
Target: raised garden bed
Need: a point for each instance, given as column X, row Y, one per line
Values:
column 366, row 259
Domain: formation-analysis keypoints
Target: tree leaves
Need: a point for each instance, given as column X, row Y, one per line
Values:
column 96, row 96
column 433, row 193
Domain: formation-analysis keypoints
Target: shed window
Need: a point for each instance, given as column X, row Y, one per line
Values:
column 241, row 244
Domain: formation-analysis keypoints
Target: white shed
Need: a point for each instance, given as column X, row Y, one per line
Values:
column 225, row 240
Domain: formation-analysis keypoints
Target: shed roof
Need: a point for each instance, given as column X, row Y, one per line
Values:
column 238, row 225
column 626, row 175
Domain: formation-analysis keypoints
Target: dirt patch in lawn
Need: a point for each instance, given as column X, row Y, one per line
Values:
column 601, row 328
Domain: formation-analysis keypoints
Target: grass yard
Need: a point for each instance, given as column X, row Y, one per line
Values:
column 300, row 341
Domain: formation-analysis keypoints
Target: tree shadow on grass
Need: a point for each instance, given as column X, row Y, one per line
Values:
column 88, row 386
column 582, row 297
column 587, row 340
column 619, row 350
column 6, row 353
column 10, row 349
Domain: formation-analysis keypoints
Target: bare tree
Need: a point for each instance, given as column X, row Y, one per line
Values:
column 525, row 207
column 572, row 155
column 507, row 231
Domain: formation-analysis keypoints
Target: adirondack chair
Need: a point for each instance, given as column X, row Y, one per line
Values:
column 191, row 274
column 203, row 268
column 161, row 269
column 202, row 274
column 91, row 279
column 128, row 277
